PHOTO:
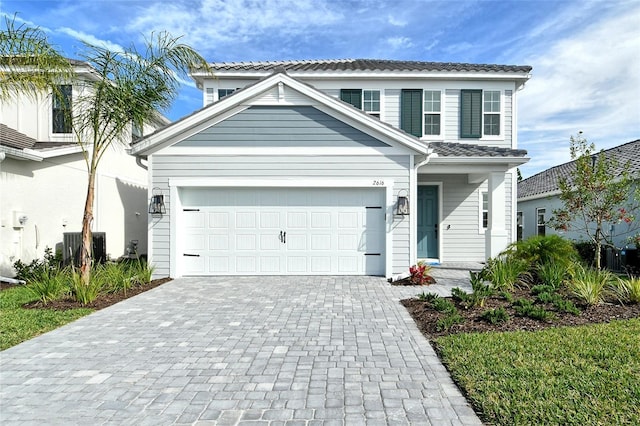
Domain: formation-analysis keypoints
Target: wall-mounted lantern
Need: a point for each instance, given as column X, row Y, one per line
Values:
column 156, row 206
column 402, row 205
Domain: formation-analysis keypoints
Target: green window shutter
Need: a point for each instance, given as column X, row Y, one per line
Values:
column 470, row 113
column 411, row 111
column 352, row 96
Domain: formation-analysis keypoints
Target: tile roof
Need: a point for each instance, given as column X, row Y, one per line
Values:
column 363, row 65
column 547, row 181
column 454, row 149
column 14, row 139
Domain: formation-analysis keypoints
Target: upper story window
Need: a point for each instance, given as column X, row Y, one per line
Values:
column 432, row 112
column 224, row 92
column 479, row 113
column 61, row 109
column 421, row 112
column 366, row 100
column 136, row 131
column 209, row 95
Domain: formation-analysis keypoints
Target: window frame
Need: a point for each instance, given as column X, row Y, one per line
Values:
column 226, row 90
column 348, row 95
column 519, row 225
column 426, row 113
column 542, row 210
column 378, row 113
column 477, row 107
column 483, row 200
column 61, row 116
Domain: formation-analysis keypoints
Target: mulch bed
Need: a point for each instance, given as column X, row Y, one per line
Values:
column 407, row 281
column 426, row 317
column 101, row 302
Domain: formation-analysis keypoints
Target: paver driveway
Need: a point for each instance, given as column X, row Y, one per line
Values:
column 248, row 350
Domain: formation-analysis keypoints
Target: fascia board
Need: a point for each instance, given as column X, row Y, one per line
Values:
column 20, row 154
column 512, row 161
column 539, row 196
column 56, row 152
column 401, row 75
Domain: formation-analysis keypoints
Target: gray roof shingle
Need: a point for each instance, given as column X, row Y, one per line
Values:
column 14, row 139
column 454, row 149
column 548, row 180
column 362, row 65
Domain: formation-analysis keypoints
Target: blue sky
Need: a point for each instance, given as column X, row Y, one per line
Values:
column 585, row 55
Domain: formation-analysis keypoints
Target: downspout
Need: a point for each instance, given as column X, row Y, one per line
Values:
column 413, row 209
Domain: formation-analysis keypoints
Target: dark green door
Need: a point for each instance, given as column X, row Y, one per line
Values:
column 427, row 222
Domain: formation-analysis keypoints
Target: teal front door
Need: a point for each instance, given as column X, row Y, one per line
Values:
column 427, row 222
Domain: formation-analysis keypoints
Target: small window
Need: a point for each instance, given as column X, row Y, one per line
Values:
column 540, row 222
column 61, row 109
column 224, row 92
column 136, row 131
column 432, row 112
column 209, row 99
column 491, row 113
column 485, row 210
column 519, row 225
column 371, row 102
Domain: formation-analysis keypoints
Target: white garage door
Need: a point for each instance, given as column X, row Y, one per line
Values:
column 282, row 231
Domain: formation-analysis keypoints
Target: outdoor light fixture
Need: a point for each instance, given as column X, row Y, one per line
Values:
column 402, row 205
column 156, row 206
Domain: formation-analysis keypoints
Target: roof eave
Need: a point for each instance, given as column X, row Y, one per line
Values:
column 20, row 154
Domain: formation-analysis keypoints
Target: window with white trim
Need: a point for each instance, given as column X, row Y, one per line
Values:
column 432, row 112
column 541, row 222
column 61, row 109
column 480, row 113
column 366, row 100
column 209, row 99
column 224, row 92
column 519, row 225
column 485, row 210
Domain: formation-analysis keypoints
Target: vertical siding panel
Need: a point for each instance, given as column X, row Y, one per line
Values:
column 392, row 107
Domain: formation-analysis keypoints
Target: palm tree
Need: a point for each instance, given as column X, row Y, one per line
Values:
column 29, row 64
column 131, row 88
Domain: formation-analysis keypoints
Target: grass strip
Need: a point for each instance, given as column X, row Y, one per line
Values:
column 18, row 324
column 566, row 375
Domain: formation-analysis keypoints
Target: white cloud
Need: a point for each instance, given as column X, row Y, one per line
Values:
column 90, row 39
column 398, row 43
column 587, row 81
column 396, row 21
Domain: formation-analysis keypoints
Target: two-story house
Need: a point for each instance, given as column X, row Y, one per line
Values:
column 338, row 167
column 43, row 179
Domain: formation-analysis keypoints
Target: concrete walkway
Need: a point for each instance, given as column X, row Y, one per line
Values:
column 246, row 351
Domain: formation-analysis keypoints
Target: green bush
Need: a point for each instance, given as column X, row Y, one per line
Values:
column 590, row 285
column 538, row 250
column 85, row 294
column 495, row 316
column 505, row 272
column 443, row 305
column 506, row 296
column 38, row 268
column 49, row 284
column 444, row 324
column 542, row 288
column 552, row 274
column 112, row 277
column 564, row 305
column 626, row 290
column 459, row 294
column 428, row 297
column 481, row 290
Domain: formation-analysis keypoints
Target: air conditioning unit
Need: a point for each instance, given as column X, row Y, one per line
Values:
column 71, row 242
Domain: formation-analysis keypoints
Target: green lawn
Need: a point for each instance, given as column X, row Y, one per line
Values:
column 569, row 376
column 18, row 324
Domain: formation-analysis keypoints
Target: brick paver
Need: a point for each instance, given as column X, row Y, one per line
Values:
column 237, row 351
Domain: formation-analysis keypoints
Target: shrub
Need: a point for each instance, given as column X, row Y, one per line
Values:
column 444, row 324
column 526, row 308
column 626, row 290
column 49, row 284
column 506, row 296
column 505, row 272
column 443, row 305
column 113, row 277
column 542, row 288
column 481, row 290
column 82, row 293
column 495, row 316
column 143, row 271
column 428, row 297
column 538, row 250
column 564, row 305
column 590, row 285
column 420, row 274
column 552, row 274
column 459, row 294
column 38, row 268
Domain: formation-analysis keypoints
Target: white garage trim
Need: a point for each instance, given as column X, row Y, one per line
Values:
column 176, row 204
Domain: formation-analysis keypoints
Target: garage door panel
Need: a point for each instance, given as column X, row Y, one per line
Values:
column 242, row 231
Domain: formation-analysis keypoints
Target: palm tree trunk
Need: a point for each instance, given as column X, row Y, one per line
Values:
column 87, row 237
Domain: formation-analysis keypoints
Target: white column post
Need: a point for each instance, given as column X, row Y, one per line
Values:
column 496, row 236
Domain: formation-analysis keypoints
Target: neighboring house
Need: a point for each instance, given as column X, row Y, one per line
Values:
column 43, row 180
column 538, row 197
column 305, row 167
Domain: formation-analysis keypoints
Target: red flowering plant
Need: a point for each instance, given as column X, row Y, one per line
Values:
column 420, row 274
